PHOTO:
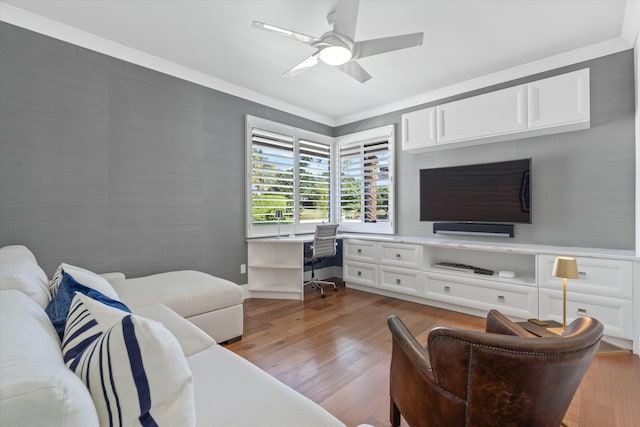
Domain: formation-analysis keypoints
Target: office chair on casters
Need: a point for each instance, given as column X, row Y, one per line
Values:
column 324, row 245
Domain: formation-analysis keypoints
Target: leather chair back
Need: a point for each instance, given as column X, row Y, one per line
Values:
column 504, row 376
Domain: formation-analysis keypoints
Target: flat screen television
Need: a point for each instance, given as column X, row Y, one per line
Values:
column 489, row 193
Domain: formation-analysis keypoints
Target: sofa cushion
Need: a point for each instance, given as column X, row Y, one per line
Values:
column 187, row 292
column 191, row 338
column 20, row 270
column 222, row 376
column 58, row 308
column 36, row 388
column 84, row 276
column 133, row 367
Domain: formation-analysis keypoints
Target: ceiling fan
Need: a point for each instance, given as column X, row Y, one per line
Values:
column 337, row 47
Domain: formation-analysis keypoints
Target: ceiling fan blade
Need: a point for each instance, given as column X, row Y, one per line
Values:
column 346, row 17
column 386, row 44
column 304, row 65
column 285, row 33
column 355, row 70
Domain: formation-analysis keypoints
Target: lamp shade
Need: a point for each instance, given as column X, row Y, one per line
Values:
column 565, row 267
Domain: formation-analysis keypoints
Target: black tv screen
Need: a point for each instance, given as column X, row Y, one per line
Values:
column 489, row 192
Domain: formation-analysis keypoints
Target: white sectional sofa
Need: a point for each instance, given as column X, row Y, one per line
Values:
column 215, row 387
column 211, row 303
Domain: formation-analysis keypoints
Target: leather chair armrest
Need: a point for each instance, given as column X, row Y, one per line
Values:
column 498, row 323
column 410, row 347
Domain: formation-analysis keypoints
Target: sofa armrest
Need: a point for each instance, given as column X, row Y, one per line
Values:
column 114, row 277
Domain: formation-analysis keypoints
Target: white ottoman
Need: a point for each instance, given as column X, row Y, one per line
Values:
column 211, row 303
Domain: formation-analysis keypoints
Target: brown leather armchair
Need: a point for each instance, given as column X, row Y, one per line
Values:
column 502, row 377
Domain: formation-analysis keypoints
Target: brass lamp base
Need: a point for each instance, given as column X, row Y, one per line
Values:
column 556, row 331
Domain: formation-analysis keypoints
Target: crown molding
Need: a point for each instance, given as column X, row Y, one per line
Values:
column 66, row 33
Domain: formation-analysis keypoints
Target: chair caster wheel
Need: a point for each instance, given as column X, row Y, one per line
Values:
column 323, row 296
column 335, row 290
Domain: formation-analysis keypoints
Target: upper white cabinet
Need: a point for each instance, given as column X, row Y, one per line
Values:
column 553, row 105
column 559, row 100
column 494, row 113
column 419, row 128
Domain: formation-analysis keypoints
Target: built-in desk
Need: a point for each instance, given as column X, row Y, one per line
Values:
column 275, row 266
column 406, row 267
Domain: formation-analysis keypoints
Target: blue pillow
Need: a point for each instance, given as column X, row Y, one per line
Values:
column 58, row 308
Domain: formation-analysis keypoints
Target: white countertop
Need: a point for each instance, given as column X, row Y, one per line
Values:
column 524, row 248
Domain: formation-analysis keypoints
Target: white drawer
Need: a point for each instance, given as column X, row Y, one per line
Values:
column 359, row 250
column 400, row 254
column 401, row 280
column 614, row 313
column 512, row 300
column 606, row 277
column 360, row 273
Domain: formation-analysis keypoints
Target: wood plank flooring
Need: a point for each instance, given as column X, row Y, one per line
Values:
column 336, row 351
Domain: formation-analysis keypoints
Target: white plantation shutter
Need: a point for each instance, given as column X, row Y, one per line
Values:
column 366, row 181
column 272, row 176
column 314, row 181
column 290, row 170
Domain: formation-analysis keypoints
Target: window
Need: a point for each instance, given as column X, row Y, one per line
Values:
column 289, row 172
column 365, row 192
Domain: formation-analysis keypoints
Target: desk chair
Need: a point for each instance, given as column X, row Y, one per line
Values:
column 323, row 246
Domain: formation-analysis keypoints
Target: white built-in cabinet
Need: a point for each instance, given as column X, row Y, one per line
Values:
column 559, row 100
column 407, row 270
column 419, row 128
column 552, row 105
column 495, row 113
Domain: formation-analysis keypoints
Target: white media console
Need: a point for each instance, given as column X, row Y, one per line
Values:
column 405, row 268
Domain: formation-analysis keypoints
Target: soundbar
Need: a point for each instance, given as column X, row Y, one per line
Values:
column 475, row 229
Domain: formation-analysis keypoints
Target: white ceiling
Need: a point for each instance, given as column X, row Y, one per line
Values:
column 464, row 40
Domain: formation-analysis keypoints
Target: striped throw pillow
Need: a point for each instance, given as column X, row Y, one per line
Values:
column 133, row 367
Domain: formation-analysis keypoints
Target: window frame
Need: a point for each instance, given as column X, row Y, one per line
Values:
column 361, row 138
column 297, row 227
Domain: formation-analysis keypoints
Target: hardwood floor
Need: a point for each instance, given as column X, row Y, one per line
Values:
column 336, row 351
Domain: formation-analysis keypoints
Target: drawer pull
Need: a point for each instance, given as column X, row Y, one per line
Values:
column 447, row 289
column 397, row 255
column 398, row 281
column 359, row 273
column 359, row 250
column 500, row 298
column 582, row 312
column 582, row 274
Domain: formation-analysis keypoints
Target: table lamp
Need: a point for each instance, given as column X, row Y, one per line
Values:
column 566, row 268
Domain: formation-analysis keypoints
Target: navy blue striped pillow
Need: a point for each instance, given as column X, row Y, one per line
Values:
column 133, row 367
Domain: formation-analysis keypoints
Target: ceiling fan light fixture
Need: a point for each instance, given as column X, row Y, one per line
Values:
column 335, row 55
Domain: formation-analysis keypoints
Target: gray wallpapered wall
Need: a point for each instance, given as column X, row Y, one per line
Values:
column 112, row 166
column 115, row 167
column 582, row 182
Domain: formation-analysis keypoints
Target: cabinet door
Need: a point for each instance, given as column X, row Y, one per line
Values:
column 359, row 250
column 614, row 313
column 401, row 280
column 494, row 113
column 419, row 129
column 606, row 277
column 360, row 273
column 400, row 254
column 559, row 100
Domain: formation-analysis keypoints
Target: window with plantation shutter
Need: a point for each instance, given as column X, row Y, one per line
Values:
column 314, row 181
column 272, row 176
column 289, row 172
column 366, row 180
